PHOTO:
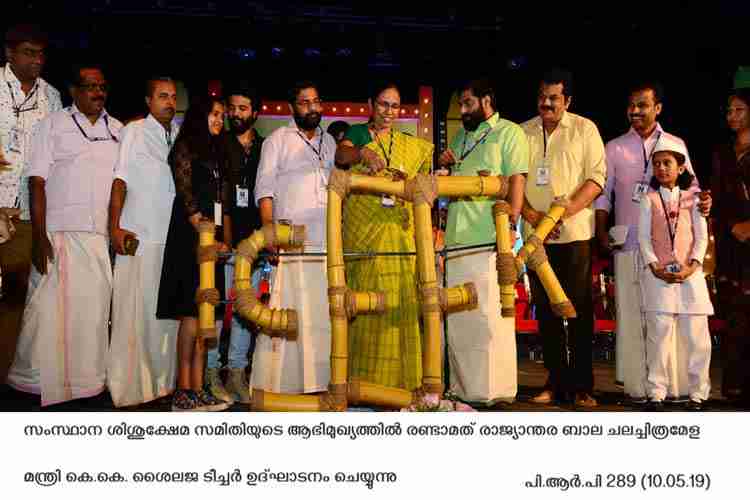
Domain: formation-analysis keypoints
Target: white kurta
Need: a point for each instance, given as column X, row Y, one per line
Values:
column 142, row 363
column 62, row 347
column 481, row 343
column 304, row 365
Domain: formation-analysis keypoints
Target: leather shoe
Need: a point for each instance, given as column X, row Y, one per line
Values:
column 543, row 398
column 585, row 400
column 694, row 405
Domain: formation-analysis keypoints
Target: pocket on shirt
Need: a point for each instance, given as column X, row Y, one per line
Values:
column 67, row 145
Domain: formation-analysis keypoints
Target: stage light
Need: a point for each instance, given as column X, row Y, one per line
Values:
column 343, row 52
column 312, row 52
column 361, row 110
column 265, row 108
column 277, row 52
column 334, row 110
column 416, row 111
column 426, row 101
column 278, row 108
column 246, row 54
column 348, row 109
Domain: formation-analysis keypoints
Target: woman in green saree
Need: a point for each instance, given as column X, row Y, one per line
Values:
column 384, row 349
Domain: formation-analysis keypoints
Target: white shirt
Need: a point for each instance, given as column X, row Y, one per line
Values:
column 43, row 99
column 78, row 172
column 292, row 173
column 143, row 166
column 688, row 297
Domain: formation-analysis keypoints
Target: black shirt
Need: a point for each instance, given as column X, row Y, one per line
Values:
column 242, row 169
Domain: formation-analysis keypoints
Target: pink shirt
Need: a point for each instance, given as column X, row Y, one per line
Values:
column 78, row 171
column 625, row 168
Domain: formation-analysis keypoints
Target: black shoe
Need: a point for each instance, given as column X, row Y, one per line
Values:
column 694, row 405
column 655, row 405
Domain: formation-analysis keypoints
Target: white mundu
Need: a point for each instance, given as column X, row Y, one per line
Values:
column 481, row 343
column 142, row 362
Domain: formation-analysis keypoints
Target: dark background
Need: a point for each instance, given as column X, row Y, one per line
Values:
column 693, row 48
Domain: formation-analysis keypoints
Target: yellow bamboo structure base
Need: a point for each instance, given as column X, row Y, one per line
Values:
column 506, row 272
column 206, row 280
column 344, row 304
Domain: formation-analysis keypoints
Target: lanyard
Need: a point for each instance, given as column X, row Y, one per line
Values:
column 672, row 234
column 544, row 134
column 465, row 153
column 168, row 137
column 95, row 139
column 17, row 108
column 318, row 152
column 646, row 158
column 382, row 148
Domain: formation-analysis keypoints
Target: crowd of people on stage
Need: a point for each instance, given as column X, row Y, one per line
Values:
column 78, row 187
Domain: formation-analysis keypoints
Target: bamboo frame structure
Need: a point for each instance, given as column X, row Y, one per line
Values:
column 273, row 322
column 206, row 280
column 345, row 304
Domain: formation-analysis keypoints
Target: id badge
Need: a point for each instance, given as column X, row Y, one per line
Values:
column 217, row 214
column 15, row 138
column 673, row 267
column 639, row 190
column 387, row 201
column 243, row 197
column 543, row 174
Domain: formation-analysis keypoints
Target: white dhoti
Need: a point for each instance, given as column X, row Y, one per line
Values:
column 304, row 365
column 62, row 347
column 142, row 362
column 631, row 335
column 693, row 329
column 481, row 343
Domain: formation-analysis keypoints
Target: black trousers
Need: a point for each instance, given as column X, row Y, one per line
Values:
column 571, row 262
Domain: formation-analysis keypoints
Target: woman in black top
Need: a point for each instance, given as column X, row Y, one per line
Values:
column 198, row 162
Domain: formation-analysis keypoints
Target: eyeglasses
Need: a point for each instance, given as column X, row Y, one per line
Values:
column 309, row 104
column 395, row 106
column 91, row 87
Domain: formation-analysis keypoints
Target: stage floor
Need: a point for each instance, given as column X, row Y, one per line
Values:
column 531, row 377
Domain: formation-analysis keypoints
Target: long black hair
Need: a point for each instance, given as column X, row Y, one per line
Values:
column 194, row 135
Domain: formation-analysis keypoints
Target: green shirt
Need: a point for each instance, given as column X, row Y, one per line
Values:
column 504, row 150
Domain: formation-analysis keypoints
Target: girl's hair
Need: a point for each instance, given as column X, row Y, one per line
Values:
column 684, row 180
column 194, row 132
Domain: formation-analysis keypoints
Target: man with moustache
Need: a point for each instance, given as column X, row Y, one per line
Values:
column 143, row 350
column 628, row 176
column 567, row 160
column 244, row 149
column 25, row 100
column 295, row 163
column 62, row 347
column 481, row 343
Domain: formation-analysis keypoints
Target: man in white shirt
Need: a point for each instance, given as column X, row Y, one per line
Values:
column 25, row 99
column 63, row 342
column 629, row 172
column 143, row 350
column 295, row 163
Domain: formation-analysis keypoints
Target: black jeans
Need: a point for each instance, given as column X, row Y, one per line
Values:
column 571, row 262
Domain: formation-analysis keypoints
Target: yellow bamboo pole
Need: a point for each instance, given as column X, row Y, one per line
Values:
column 363, row 392
column 506, row 272
column 271, row 401
column 432, row 380
column 207, row 277
column 337, row 294
column 364, row 303
column 459, row 298
column 461, row 186
column 547, row 224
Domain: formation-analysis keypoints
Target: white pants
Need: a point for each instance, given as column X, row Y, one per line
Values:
column 631, row 336
column 481, row 343
column 142, row 364
column 62, row 348
column 693, row 328
column 304, row 365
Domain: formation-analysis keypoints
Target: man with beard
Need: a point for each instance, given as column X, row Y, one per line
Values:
column 142, row 358
column 25, row 100
column 481, row 343
column 567, row 160
column 62, row 347
column 295, row 163
column 629, row 172
column 244, row 149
